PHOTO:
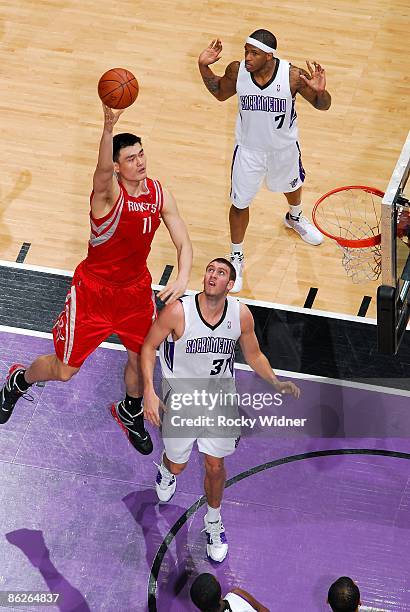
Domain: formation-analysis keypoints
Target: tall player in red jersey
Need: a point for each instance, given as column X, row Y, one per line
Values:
column 111, row 289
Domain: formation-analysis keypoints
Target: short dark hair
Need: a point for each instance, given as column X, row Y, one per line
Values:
column 344, row 595
column 222, row 260
column 265, row 37
column 120, row 141
column 206, row 592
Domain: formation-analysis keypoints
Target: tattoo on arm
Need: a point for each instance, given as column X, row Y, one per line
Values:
column 212, row 83
column 232, row 70
column 323, row 102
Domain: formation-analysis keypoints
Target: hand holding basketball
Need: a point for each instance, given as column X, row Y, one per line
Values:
column 110, row 118
column 118, row 88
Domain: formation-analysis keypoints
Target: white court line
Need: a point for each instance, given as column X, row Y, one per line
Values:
column 238, row 366
column 49, row 336
column 332, row 381
column 248, row 301
column 23, row 266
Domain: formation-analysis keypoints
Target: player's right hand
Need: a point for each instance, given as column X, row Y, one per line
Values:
column 211, row 54
column 152, row 404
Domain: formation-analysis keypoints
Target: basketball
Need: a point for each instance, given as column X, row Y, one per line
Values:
column 118, row 88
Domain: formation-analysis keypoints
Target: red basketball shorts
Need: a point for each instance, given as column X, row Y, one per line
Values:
column 93, row 311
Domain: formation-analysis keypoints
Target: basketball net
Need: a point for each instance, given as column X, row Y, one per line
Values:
column 351, row 216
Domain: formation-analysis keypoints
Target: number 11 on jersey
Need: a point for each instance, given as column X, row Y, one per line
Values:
column 147, row 225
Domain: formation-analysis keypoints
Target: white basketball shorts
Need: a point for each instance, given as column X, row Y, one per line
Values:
column 282, row 170
column 178, row 450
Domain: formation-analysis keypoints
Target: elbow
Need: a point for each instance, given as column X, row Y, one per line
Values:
column 323, row 103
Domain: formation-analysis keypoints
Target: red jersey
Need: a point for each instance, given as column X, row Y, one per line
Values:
column 121, row 241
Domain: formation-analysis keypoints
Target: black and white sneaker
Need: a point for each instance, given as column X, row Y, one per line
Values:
column 10, row 393
column 217, row 545
column 165, row 482
column 140, row 439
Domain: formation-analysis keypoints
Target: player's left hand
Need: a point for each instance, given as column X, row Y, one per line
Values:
column 317, row 80
column 172, row 291
column 288, row 387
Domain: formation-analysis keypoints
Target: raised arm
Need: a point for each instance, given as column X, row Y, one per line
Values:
column 179, row 236
column 223, row 87
column 256, row 359
column 250, row 599
column 171, row 319
column 105, row 186
column 311, row 85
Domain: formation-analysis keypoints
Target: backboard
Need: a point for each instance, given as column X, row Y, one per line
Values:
column 393, row 296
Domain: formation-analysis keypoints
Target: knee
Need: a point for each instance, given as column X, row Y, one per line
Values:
column 214, row 468
column 176, row 468
column 64, row 372
column 239, row 212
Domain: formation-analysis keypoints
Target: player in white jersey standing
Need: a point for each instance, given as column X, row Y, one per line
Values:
column 266, row 131
column 197, row 335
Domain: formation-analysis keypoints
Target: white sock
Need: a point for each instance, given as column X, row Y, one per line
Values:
column 237, row 248
column 163, row 464
column 295, row 211
column 213, row 514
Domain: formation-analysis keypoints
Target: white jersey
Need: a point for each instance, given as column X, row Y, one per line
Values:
column 203, row 350
column 267, row 117
column 238, row 603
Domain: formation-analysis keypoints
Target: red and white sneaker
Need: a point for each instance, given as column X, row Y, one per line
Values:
column 10, row 393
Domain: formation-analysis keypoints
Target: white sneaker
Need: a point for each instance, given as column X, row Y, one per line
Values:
column 217, row 546
column 165, row 484
column 306, row 230
column 237, row 260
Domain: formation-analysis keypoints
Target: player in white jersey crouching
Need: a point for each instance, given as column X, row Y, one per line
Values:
column 266, row 134
column 197, row 335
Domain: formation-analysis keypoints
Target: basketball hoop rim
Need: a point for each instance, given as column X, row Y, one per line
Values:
column 359, row 243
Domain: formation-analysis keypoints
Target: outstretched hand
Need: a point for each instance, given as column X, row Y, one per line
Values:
column 110, row 118
column 317, row 81
column 211, row 54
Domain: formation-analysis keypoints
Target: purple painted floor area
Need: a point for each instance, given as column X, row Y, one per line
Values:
column 79, row 514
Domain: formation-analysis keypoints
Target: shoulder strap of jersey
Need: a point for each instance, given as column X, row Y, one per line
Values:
column 103, row 229
column 159, row 199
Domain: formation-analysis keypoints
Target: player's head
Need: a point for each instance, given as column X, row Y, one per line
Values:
column 344, row 595
column 260, row 48
column 129, row 158
column 219, row 277
column 206, row 593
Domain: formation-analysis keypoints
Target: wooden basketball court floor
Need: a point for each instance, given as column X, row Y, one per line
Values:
column 60, row 454
column 52, row 56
